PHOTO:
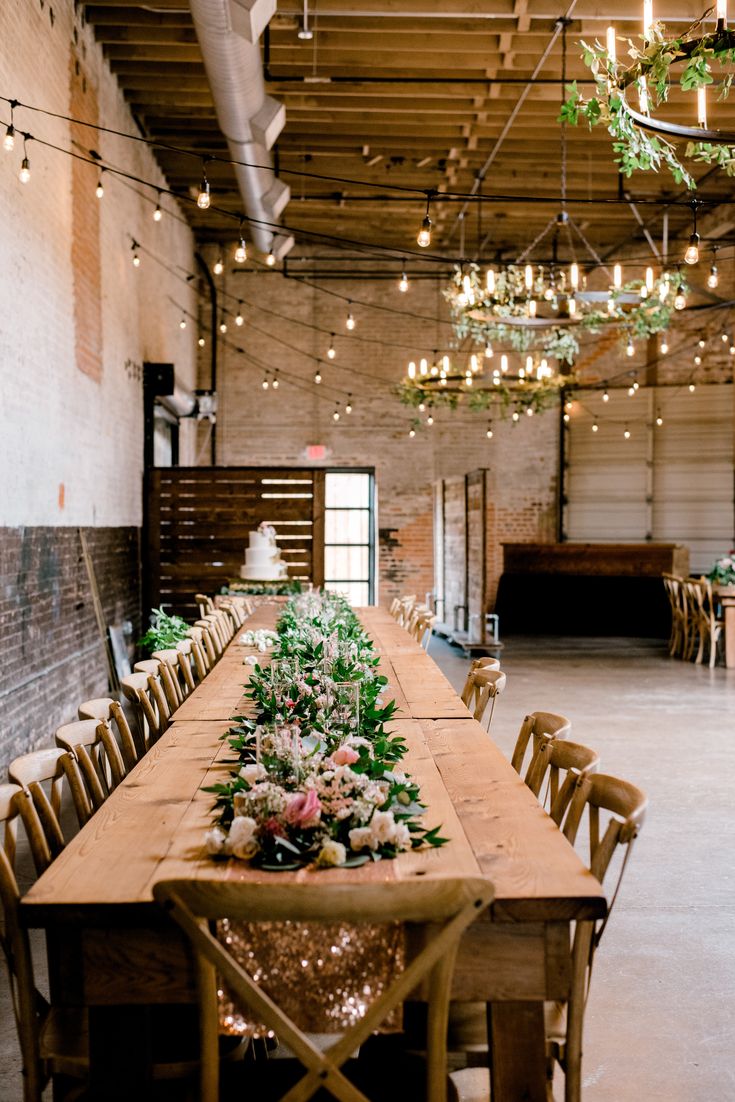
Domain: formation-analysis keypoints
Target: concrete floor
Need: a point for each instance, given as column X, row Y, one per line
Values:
column 661, row 1012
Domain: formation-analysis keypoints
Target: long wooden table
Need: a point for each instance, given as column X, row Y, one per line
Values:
column 111, row 950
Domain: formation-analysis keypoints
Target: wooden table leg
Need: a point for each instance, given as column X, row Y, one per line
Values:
column 729, row 609
column 517, row 1044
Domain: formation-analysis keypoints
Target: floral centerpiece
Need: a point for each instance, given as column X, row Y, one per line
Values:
column 723, row 571
column 164, row 632
column 317, row 778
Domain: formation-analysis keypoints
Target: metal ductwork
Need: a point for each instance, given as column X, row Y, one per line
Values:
column 228, row 33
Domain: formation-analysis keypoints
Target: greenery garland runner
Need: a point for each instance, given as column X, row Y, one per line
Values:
column 317, row 778
column 649, row 72
column 164, row 633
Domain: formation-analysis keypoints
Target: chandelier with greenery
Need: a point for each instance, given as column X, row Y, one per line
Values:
column 700, row 63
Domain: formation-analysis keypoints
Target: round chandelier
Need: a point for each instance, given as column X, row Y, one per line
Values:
column 697, row 62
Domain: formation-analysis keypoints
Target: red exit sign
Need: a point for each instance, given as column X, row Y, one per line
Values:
column 315, row 452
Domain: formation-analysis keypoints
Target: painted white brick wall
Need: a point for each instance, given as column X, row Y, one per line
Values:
column 59, row 426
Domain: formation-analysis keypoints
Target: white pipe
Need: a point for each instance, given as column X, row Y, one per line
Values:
column 228, row 33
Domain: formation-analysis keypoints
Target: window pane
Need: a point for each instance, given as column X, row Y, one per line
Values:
column 357, row 593
column 344, row 488
column 346, row 526
column 348, row 563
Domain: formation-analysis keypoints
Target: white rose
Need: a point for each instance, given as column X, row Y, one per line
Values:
column 241, row 840
column 251, row 660
column 402, row 836
column 362, row 838
column 215, row 840
column 332, row 853
column 383, row 826
column 253, row 772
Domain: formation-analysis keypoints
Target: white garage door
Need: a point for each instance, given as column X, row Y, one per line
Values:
column 672, row 483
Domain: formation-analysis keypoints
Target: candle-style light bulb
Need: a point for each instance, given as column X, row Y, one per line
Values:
column 532, row 308
column 403, row 283
column 490, row 281
column 647, row 19
column 504, row 363
column 446, row 363
column 424, row 236
column 611, row 48
column 721, row 14
column 412, row 370
column 423, row 366
column 617, row 277
column 643, row 95
column 241, row 252
column 468, row 292
column 702, row 107
column 528, row 276
column 574, row 276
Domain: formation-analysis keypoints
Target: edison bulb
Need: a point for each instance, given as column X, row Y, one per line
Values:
column 350, row 321
column 219, row 266
column 9, row 139
column 270, row 259
column 25, row 171
column 691, row 256
column 157, row 213
column 203, row 196
column 241, row 252
column 680, row 301
column 403, row 283
column 99, row 190
column 424, row 237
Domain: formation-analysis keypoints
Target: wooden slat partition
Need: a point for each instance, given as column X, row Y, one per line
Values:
column 198, row 520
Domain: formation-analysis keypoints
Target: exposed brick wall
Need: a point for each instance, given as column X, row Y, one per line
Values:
column 52, row 657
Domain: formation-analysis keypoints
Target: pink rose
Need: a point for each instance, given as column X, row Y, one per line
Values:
column 345, row 755
column 303, row 809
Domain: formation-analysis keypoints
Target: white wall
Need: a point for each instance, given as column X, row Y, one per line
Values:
column 60, row 427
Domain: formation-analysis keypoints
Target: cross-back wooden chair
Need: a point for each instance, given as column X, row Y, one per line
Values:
column 704, row 623
column 672, row 585
column 209, row 641
column 421, row 625
column 82, row 740
column 111, row 712
column 146, row 694
column 596, row 796
column 615, row 811
column 222, row 626
column 475, row 665
column 41, row 810
column 199, row 653
column 534, row 725
column 406, row 607
column 394, row 607
column 443, row 908
column 558, row 764
column 236, row 611
column 172, row 676
column 205, row 604
column 481, row 690
column 188, row 671
column 51, row 1041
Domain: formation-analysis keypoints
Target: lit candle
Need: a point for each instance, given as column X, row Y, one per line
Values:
column 643, row 95
column 445, row 363
column 529, row 277
column 532, row 308
column 572, row 307
column 504, row 363
column 649, row 279
column 702, row 107
column 647, row 19
column 423, row 366
column 412, row 370
column 610, row 42
column 617, row 277
column 490, row 280
column 722, row 13
column 574, row 275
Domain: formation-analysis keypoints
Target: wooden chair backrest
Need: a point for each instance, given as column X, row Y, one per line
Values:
column 199, row 653
column 481, row 688
column 534, row 725
column 442, row 908
column 99, row 708
column 151, row 706
column 559, row 763
column 188, row 669
column 41, row 811
column 82, row 740
column 205, row 603
column 485, row 663
column 27, row 1002
column 209, row 642
column 174, row 683
column 595, row 794
column 394, row 607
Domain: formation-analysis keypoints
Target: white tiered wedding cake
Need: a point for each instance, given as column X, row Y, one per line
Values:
column 263, row 562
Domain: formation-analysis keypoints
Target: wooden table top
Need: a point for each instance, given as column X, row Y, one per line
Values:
column 152, row 826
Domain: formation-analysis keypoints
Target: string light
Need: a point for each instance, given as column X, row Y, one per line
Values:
column 605, row 396
column 691, row 256
column 158, row 213
column 136, row 259
column 219, row 266
column 422, row 407
column 724, row 337
column 182, row 323
column 403, row 282
column 701, row 342
column 241, row 252
column 692, row 388
column 412, row 433
column 100, row 189
column 317, row 376
column 489, row 432
column 275, row 383
column 516, row 416
column 9, row 139
column 201, row 342
column 335, row 415
column 270, row 259
column 595, row 426
column 239, row 319
column 664, row 346
column 348, row 404
column 529, row 411
column 630, row 348
column 488, row 351
column 203, row 198
column 331, row 353
column 732, row 349
column 566, row 418
column 25, row 169
column 626, row 433
column 697, row 360
column 424, row 235
column 265, row 384
column 713, row 278
column 429, row 420
column 680, row 301
column 223, row 326
column 659, row 419
column 349, row 320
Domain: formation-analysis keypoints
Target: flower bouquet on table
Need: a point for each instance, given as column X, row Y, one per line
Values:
column 723, row 572
column 316, row 778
